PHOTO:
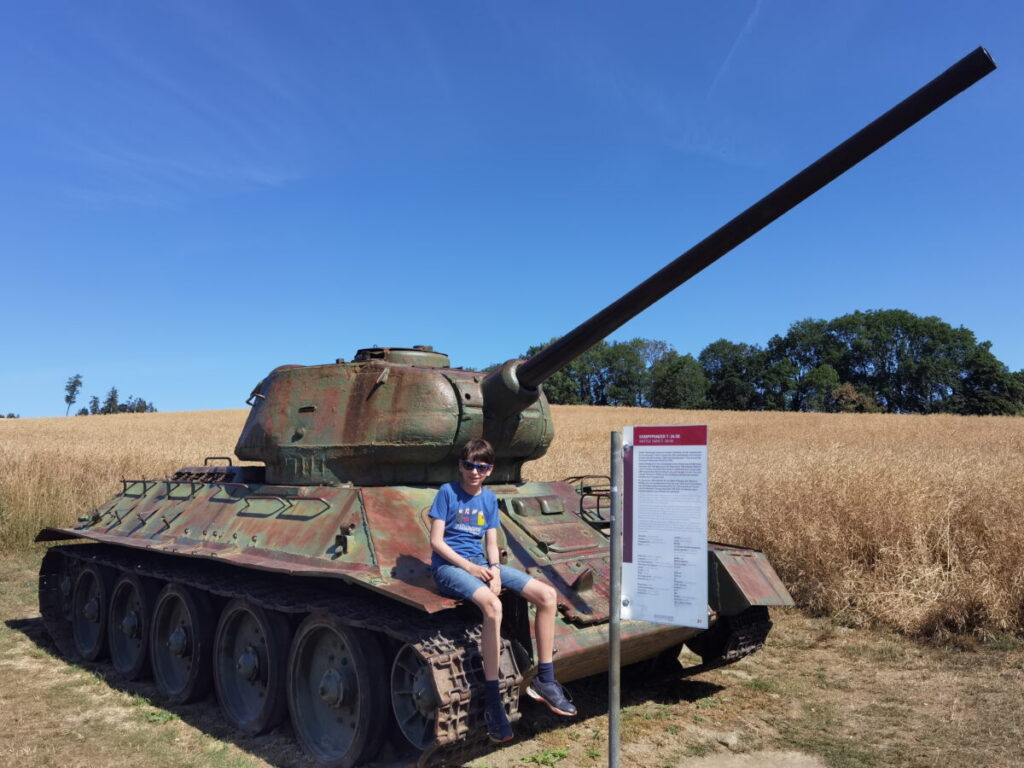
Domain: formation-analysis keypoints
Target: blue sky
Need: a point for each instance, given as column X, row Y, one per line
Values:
column 196, row 192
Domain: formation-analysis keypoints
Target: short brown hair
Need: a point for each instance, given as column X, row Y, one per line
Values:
column 478, row 450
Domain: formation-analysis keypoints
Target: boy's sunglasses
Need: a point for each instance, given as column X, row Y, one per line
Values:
column 469, row 466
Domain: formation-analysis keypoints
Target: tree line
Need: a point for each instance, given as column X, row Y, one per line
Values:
column 890, row 361
column 112, row 403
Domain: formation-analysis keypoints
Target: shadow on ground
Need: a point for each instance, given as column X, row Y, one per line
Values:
column 641, row 683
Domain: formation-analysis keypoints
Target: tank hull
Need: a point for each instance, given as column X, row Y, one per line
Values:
column 358, row 558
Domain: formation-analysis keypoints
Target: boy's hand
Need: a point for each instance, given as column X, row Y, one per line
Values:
column 495, row 584
column 482, row 572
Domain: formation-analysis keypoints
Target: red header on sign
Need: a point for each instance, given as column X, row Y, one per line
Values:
column 670, row 435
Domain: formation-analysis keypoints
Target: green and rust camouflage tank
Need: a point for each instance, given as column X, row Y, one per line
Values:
column 301, row 588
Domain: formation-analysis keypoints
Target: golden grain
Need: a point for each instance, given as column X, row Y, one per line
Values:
column 914, row 522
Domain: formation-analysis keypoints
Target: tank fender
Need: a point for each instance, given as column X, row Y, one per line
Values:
column 739, row 578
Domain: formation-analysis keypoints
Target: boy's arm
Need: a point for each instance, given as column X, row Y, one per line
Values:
column 491, row 548
column 437, row 543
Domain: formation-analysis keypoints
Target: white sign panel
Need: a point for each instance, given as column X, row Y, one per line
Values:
column 665, row 525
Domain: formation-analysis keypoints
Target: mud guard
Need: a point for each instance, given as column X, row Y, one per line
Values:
column 740, row 578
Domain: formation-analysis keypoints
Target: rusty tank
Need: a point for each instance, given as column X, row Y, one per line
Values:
column 300, row 586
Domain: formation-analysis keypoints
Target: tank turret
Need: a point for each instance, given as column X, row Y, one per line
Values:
column 392, row 416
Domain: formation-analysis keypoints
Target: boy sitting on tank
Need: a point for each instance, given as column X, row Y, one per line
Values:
column 464, row 539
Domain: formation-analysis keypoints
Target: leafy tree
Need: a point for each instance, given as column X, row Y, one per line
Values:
column 847, row 399
column 734, row 372
column 111, row 403
column 888, row 360
column 902, row 362
column 71, row 389
column 624, row 374
column 911, row 363
column 651, row 350
column 135, row 405
column 677, row 381
column 817, row 387
column 987, row 386
column 806, row 346
column 779, row 384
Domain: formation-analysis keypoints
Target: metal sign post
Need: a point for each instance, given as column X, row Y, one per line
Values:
column 615, row 603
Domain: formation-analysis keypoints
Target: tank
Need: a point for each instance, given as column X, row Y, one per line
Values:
column 300, row 586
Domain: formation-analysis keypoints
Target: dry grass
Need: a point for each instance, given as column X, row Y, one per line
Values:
column 908, row 521
column 52, row 470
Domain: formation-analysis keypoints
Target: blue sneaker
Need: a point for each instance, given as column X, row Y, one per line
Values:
column 553, row 695
column 499, row 729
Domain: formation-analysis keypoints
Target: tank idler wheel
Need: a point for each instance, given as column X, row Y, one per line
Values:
column 413, row 698
column 57, row 575
column 180, row 643
column 89, row 604
column 337, row 689
column 250, row 662
column 128, row 625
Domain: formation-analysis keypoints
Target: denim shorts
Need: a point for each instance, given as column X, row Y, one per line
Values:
column 459, row 584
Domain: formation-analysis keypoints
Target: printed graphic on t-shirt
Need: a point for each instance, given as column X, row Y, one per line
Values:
column 469, row 521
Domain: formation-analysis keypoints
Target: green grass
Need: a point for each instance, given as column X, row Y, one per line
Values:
column 760, row 684
column 160, row 717
column 700, row 749
column 816, row 731
column 548, row 757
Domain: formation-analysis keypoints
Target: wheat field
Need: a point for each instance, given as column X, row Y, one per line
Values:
column 910, row 522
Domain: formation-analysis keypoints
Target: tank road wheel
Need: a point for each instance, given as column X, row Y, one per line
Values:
column 250, row 661
column 180, row 643
column 57, row 575
column 337, row 686
column 89, row 604
column 413, row 698
column 128, row 625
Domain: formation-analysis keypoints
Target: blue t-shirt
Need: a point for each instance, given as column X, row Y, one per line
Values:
column 465, row 519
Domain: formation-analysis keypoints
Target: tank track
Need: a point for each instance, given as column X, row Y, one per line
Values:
column 747, row 634
column 448, row 645
column 730, row 639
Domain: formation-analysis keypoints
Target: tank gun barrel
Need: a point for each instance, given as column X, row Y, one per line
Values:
column 537, row 369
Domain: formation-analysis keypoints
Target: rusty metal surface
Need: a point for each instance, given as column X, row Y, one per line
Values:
column 739, row 578
column 378, row 421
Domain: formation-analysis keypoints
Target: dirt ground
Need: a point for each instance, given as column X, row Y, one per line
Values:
column 817, row 695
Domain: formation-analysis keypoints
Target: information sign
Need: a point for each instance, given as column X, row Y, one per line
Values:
column 665, row 525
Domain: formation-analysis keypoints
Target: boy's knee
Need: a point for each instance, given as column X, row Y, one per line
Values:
column 491, row 607
column 544, row 596
column 548, row 598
